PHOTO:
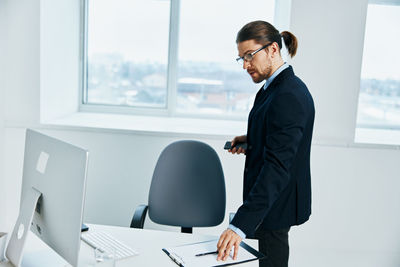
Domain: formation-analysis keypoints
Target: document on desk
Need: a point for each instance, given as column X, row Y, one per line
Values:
column 185, row 255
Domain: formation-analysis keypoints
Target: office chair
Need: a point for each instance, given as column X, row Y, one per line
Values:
column 187, row 188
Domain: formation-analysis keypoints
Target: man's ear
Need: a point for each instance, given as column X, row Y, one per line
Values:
column 274, row 49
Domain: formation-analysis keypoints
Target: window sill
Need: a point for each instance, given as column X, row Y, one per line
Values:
column 377, row 136
column 152, row 124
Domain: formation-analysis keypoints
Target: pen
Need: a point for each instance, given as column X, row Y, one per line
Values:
column 173, row 258
column 207, row 253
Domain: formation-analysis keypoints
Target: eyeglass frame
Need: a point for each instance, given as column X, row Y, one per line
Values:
column 243, row 59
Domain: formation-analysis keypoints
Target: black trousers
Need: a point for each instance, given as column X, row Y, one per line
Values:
column 274, row 244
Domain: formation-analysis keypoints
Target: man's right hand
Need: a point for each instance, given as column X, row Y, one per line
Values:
column 236, row 140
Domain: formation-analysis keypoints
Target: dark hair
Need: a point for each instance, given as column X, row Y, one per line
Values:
column 263, row 32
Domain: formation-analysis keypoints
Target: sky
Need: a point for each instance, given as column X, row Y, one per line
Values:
column 381, row 54
column 207, row 28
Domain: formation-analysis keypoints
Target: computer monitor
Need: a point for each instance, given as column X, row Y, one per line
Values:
column 54, row 173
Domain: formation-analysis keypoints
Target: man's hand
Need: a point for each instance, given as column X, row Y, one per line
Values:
column 238, row 139
column 228, row 239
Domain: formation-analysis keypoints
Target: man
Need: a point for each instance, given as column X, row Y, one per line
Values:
column 277, row 182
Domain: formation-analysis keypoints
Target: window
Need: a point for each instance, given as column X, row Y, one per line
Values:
column 127, row 53
column 379, row 99
column 169, row 57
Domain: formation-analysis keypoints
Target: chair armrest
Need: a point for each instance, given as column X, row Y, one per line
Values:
column 139, row 216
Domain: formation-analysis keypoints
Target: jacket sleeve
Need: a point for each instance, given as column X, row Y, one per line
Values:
column 285, row 121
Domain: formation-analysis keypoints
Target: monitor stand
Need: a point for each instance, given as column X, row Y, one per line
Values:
column 22, row 227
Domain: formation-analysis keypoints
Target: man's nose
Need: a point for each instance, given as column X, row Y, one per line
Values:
column 245, row 64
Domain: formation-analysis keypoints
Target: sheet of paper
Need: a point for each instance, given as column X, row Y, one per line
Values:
column 187, row 254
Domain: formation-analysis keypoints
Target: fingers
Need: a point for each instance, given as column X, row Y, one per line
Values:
column 228, row 240
column 223, row 245
column 234, row 142
column 236, row 150
column 236, row 251
column 239, row 150
column 228, row 249
column 221, row 252
column 235, row 243
column 221, row 239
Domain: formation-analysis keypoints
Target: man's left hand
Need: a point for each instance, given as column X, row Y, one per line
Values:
column 228, row 240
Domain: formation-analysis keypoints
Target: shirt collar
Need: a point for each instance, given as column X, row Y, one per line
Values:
column 273, row 76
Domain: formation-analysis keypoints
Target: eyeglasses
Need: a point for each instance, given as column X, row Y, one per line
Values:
column 249, row 57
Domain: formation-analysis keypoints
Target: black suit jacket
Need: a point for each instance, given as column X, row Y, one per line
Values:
column 277, row 182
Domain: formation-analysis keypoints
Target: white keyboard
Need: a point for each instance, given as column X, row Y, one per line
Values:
column 103, row 241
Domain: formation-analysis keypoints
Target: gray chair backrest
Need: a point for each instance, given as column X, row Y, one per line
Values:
column 188, row 186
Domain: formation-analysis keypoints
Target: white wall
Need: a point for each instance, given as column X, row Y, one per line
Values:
column 66, row 15
column 22, row 65
column 20, row 93
column 356, row 203
column 3, row 38
column 331, row 36
column 355, row 189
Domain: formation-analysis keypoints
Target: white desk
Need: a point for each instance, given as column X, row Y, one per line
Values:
column 148, row 242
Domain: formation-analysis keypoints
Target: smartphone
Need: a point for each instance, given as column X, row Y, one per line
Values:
column 238, row 145
column 84, row 228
